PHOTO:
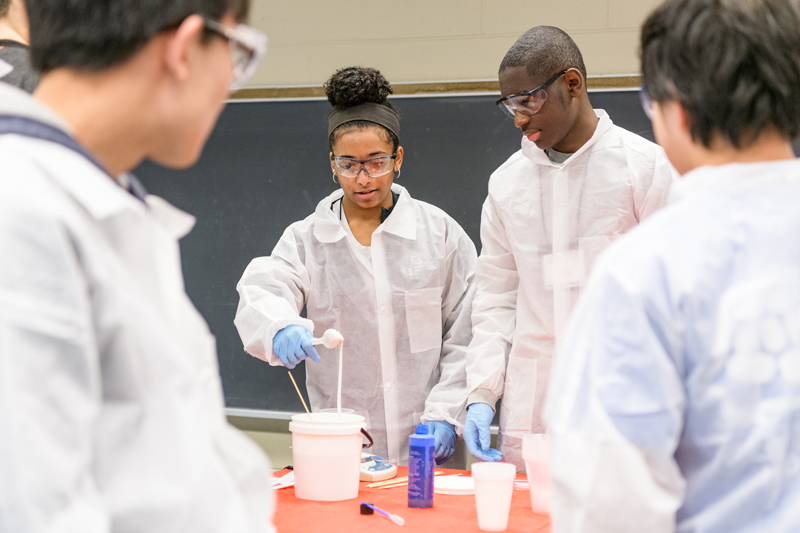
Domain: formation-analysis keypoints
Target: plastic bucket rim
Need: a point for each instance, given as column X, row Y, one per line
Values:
column 327, row 425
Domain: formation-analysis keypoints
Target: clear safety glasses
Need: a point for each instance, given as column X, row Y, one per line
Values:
column 374, row 167
column 247, row 45
column 527, row 102
column 647, row 105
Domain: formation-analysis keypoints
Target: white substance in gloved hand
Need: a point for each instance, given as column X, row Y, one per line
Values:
column 330, row 339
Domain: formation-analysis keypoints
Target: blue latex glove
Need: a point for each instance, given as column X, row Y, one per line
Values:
column 477, row 435
column 292, row 344
column 445, row 434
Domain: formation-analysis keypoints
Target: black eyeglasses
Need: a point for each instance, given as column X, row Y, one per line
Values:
column 527, row 102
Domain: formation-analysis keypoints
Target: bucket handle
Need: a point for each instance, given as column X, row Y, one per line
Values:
column 369, row 438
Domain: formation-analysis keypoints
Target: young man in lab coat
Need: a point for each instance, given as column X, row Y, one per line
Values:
column 675, row 403
column 110, row 399
column 577, row 184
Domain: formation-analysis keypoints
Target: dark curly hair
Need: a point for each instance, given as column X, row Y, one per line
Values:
column 352, row 86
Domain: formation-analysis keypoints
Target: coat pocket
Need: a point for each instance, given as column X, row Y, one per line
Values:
column 424, row 319
column 590, row 249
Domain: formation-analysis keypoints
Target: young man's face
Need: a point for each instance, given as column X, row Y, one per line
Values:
column 671, row 130
column 554, row 119
column 198, row 99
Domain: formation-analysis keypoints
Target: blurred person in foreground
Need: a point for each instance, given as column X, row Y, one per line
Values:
column 675, row 403
column 111, row 406
column 15, row 57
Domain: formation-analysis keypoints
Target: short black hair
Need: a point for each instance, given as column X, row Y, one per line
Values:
column 4, row 5
column 544, row 51
column 95, row 35
column 734, row 65
column 352, row 86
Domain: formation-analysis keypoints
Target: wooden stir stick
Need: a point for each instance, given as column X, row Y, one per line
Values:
column 298, row 393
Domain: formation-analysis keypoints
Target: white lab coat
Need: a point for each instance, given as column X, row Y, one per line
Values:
column 543, row 225
column 675, row 403
column 404, row 315
column 111, row 409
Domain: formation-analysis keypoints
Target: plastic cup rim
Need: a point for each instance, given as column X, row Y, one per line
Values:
column 494, row 471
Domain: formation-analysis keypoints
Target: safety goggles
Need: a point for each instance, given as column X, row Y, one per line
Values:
column 247, row 45
column 527, row 102
column 374, row 167
column 647, row 105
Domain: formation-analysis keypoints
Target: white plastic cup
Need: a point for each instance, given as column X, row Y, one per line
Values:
column 494, row 483
column 326, row 452
column 536, row 454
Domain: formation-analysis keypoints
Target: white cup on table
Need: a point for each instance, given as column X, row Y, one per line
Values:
column 536, row 454
column 494, row 483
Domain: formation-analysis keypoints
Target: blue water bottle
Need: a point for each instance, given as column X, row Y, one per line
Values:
column 420, row 468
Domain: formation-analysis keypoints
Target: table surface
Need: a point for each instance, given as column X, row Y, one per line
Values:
column 448, row 512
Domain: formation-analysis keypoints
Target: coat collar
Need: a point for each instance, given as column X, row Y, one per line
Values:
column 402, row 222
column 97, row 192
column 714, row 179
column 14, row 101
column 537, row 155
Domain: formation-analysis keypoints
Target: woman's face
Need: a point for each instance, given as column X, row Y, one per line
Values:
column 367, row 192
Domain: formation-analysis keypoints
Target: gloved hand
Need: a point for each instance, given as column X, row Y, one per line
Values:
column 292, row 344
column 477, row 435
column 445, row 434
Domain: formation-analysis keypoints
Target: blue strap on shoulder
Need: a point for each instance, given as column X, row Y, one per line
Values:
column 28, row 127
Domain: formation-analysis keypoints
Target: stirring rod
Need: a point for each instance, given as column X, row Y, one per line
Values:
column 298, row 393
column 339, row 385
column 393, row 517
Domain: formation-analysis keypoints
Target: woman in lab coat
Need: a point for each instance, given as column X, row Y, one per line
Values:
column 393, row 274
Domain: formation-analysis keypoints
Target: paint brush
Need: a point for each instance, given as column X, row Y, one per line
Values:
column 399, row 520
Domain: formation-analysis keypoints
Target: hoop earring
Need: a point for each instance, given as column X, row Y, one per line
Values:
column 397, row 174
column 334, row 178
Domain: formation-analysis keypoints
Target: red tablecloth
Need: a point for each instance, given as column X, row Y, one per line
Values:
column 449, row 513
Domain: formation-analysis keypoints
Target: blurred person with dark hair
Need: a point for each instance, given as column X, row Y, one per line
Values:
column 111, row 404
column 577, row 183
column 675, row 405
column 15, row 63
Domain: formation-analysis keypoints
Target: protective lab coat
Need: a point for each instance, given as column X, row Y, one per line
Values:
column 404, row 315
column 542, row 227
column 111, row 409
column 675, row 403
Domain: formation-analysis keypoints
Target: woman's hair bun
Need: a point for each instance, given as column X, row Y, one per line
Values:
column 357, row 85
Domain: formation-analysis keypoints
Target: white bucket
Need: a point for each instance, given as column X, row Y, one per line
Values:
column 326, row 450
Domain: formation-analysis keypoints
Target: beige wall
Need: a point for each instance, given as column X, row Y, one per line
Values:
column 435, row 40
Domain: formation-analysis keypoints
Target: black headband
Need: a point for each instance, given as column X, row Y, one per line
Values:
column 370, row 112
